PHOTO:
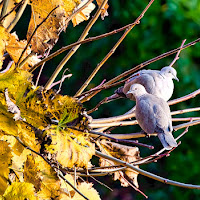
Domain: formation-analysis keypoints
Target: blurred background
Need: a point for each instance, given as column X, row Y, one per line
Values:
column 163, row 28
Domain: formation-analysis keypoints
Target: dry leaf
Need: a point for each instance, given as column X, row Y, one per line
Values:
column 124, row 153
column 83, row 14
column 47, row 34
column 104, row 12
column 15, row 48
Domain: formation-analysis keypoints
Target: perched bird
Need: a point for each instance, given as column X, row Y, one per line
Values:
column 153, row 115
column 159, row 83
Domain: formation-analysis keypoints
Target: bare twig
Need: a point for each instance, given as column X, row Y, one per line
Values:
column 138, row 67
column 72, row 51
column 177, row 55
column 90, row 39
column 132, row 114
column 137, row 21
column 41, row 69
column 145, row 173
column 60, row 172
column 121, row 140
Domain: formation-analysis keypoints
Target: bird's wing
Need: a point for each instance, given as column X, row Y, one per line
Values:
column 145, row 114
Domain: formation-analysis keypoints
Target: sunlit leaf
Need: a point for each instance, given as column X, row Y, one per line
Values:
column 15, row 48
column 83, row 14
column 4, row 36
column 71, row 147
column 87, row 190
column 20, row 191
column 50, row 183
column 5, row 161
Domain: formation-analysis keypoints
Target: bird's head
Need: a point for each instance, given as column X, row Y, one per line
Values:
column 137, row 90
column 169, row 72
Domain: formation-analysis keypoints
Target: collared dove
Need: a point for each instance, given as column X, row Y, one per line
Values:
column 153, row 115
column 158, row 83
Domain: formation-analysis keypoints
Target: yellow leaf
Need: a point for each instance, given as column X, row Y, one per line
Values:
column 31, row 172
column 15, row 48
column 64, row 185
column 50, row 184
column 5, row 161
column 48, row 33
column 27, row 136
column 4, row 36
column 87, row 190
column 83, row 14
column 7, row 125
column 20, row 191
column 69, row 5
column 11, row 16
column 71, row 147
column 18, row 163
column 16, row 81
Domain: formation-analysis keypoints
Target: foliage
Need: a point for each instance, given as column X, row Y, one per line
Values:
column 46, row 141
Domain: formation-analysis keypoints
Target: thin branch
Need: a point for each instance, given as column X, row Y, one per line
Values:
column 177, row 55
column 72, row 51
column 121, row 140
column 148, row 174
column 180, row 126
column 28, row 42
column 18, row 16
column 26, row 59
column 90, row 39
column 75, row 189
column 41, row 69
column 137, row 21
column 140, row 66
column 171, row 102
column 14, row 8
column 184, row 98
column 177, row 112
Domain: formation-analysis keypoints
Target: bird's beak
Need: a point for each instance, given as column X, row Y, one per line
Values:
column 175, row 77
column 129, row 92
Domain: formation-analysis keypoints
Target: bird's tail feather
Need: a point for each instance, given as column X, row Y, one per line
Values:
column 167, row 140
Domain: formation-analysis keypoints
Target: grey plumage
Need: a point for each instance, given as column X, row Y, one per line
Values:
column 153, row 115
column 159, row 83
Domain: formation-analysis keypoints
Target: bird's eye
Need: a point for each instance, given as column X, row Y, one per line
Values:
column 169, row 71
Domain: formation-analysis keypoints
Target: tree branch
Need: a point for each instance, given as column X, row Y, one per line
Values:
column 145, row 173
column 72, row 51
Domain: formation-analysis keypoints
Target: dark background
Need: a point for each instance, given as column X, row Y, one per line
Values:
column 163, row 28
